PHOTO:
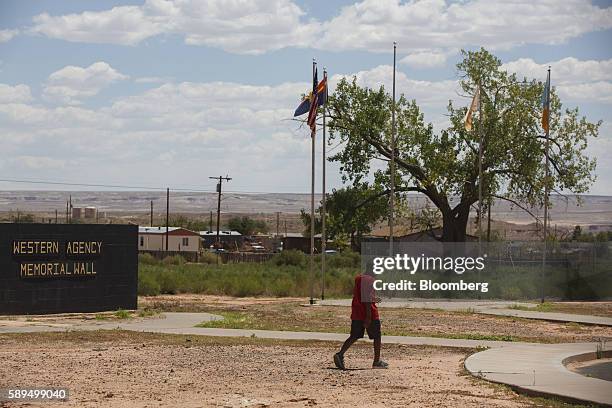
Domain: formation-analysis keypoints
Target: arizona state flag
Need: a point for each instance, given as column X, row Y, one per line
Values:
column 473, row 108
column 314, row 104
column 546, row 104
column 304, row 106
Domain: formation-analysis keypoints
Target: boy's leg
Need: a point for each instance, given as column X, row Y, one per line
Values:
column 374, row 333
column 377, row 343
column 347, row 344
column 357, row 331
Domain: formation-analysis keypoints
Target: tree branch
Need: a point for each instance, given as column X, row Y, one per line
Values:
column 535, row 217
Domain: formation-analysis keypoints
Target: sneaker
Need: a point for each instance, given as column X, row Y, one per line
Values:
column 380, row 364
column 339, row 361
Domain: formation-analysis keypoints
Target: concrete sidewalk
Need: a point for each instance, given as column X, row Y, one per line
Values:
column 529, row 367
column 491, row 307
column 539, row 370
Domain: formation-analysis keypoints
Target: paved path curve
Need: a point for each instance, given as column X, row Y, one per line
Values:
column 540, row 370
column 529, row 367
column 492, row 307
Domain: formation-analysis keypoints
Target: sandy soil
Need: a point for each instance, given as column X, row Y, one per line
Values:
column 288, row 314
column 143, row 370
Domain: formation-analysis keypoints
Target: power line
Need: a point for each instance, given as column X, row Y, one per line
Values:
column 195, row 190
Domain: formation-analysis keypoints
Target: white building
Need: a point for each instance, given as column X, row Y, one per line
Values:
column 179, row 239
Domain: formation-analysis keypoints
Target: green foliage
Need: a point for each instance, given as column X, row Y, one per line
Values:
column 173, row 260
column 189, row 223
column 284, row 275
column 209, row 258
column 443, row 165
column 147, row 259
column 291, row 257
column 344, row 259
column 147, row 284
column 579, row 236
column 247, row 225
column 122, row 314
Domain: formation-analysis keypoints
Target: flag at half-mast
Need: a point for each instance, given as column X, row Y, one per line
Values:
column 474, row 106
column 314, row 104
column 546, row 104
column 304, row 106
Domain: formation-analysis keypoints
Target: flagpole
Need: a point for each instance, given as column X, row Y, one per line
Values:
column 312, row 192
column 392, row 170
column 323, row 211
column 546, row 176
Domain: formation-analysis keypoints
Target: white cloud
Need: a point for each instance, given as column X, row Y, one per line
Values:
column 566, row 70
column 436, row 24
column 72, row 83
column 14, row 94
column 427, row 93
column 250, row 27
column 425, row 59
column 127, row 25
column 258, row 26
column 37, row 162
column 162, row 134
column 151, row 80
column 7, row 35
column 576, row 80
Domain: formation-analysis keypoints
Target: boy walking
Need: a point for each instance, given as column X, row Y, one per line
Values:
column 364, row 317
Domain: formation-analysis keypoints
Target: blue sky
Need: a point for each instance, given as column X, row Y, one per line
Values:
column 166, row 93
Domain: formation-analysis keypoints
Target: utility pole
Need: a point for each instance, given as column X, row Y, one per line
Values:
column 277, row 224
column 167, row 215
column 56, row 215
column 151, row 213
column 392, row 164
column 219, row 184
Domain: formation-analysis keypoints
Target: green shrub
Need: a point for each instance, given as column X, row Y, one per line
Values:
column 122, row 314
column 347, row 259
column 291, row 257
column 147, row 285
column 174, row 260
column 147, row 259
column 209, row 258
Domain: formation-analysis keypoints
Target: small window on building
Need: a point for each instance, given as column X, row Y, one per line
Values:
column 141, row 241
column 185, row 241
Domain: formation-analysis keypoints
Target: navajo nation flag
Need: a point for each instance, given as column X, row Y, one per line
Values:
column 546, row 105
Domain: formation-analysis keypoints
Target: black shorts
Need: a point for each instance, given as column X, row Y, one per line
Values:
column 358, row 330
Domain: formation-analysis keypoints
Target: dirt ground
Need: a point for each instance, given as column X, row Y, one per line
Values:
column 127, row 369
column 289, row 314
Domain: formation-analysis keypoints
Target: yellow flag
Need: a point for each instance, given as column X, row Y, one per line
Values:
column 473, row 108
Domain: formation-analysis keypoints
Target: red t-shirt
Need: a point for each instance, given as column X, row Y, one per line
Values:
column 363, row 293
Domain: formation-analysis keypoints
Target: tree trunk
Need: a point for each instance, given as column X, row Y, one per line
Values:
column 454, row 224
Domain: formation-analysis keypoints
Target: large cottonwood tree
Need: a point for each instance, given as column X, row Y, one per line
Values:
column 444, row 165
